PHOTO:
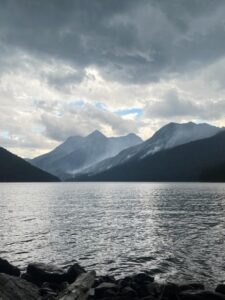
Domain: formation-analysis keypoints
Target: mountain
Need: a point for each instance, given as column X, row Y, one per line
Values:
column 77, row 152
column 15, row 169
column 170, row 135
column 215, row 173
column 186, row 162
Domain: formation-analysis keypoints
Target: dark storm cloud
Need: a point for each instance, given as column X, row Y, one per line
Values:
column 128, row 40
column 163, row 57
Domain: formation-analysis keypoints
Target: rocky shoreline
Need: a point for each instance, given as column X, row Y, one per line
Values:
column 47, row 282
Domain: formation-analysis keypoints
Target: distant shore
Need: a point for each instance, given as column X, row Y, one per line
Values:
column 48, row 282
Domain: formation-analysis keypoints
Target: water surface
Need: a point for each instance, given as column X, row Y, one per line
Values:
column 174, row 230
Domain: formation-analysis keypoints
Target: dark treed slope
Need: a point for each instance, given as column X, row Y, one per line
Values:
column 15, row 169
column 181, row 163
column 214, row 173
column 169, row 136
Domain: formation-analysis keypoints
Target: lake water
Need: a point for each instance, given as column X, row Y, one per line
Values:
column 174, row 230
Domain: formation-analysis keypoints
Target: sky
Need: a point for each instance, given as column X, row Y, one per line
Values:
column 70, row 67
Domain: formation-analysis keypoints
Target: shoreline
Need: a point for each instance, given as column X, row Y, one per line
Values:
column 48, row 282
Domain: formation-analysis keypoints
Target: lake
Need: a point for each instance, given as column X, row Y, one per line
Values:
column 176, row 231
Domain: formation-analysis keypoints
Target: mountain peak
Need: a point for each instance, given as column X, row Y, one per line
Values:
column 133, row 136
column 183, row 126
column 174, row 124
column 96, row 133
column 174, row 134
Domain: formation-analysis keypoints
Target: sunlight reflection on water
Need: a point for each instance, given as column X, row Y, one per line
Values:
column 173, row 230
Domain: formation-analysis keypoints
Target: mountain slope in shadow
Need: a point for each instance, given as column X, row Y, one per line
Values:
column 182, row 163
column 16, row 169
column 169, row 136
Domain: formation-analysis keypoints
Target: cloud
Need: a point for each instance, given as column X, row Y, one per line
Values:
column 70, row 67
column 84, row 120
column 174, row 106
column 136, row 41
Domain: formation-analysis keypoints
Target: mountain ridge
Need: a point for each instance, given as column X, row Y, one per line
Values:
column 185, row 162
column 168, row 136
column 15, row 169
column 79, row 152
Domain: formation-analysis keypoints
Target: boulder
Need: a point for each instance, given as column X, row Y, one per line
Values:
column 39, row 273
column 29, row 278
column 7, row 268
column 45, row 291
column 106, row 285
column 73, row 272
column 201, row 295
column 191, row 286
column 128, row 292
column 106, row 289
column 170, row 291
column 220, row 288
column 48, row 297
column 105, row 278
column 119, row 297
column 80, row 289
column 55, row 287
column 141, row 289
column 138, row 282
column 150, row 298
column 155, row 289
column 142, row 277
column 126, row 281
column 15, row 288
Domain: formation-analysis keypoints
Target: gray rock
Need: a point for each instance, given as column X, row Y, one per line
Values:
column 191, row 286
column 44, row 291
column 40, row 273
column 170, row 291
column 155, row 289
column 201, row 295
column 220, row 288
column 106, row 285
column 80, row 289
column 128, row 292
column 106, row 278
column 142, row 277
column 73, row 272
column 149, row 298
column 7, row 268
column 106, row 289
column 56, row 287
column 15, row 288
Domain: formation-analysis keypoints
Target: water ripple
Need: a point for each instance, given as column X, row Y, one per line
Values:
column 173, row 231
